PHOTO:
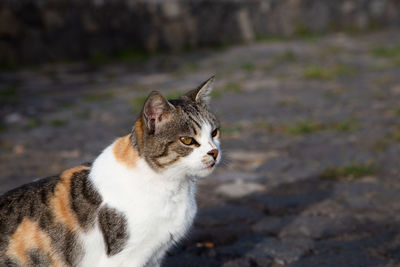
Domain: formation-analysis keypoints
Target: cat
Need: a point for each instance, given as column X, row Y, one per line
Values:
column 131, row 205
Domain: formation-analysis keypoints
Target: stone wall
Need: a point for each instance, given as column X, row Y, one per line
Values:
column 36, row 31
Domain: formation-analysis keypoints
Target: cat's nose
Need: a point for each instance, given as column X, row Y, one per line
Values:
column 213, row 153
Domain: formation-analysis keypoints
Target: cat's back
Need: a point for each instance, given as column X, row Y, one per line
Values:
column 40, row 222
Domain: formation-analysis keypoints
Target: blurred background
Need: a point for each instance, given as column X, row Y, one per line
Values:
column 308, row 93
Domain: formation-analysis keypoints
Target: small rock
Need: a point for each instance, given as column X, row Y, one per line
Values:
column 189, row 260
column 250, row 160
column 317, row 226
column 225, row 214
column 395, row 90
column 265, row 250
column 19, row 149
column 271, row 225
column 238, row 263
column 13, row 118
column 239, row 189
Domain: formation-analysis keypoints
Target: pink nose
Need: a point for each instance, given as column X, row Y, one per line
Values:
column 213, row 153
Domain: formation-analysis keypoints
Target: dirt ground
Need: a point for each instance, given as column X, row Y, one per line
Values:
column 311, row 143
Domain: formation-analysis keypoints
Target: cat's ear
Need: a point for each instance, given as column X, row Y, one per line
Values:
column 156, row 111
column 201, row 94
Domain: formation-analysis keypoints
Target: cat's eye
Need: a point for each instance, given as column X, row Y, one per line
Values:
column 215, row 132
column 187, row 140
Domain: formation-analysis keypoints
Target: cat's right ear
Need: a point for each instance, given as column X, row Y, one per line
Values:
column 201, row 95
column 156, row 111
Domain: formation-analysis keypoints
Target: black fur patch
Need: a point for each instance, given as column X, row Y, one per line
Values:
column 65, row 244
column 8, row 262
column 85, row 200
column 38, row 259
column 113, row 226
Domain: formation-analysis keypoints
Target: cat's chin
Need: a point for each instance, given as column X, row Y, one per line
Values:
column 205, row 172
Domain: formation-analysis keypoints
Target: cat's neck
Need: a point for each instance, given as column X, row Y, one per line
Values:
column 121, row 167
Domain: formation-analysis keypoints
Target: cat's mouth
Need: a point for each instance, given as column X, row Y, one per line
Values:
column 211, row 165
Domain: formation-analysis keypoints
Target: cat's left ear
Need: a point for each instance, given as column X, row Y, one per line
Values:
column 156, row 111
column 201, row 94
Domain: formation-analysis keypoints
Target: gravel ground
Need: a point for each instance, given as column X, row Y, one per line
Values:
column 311, row 143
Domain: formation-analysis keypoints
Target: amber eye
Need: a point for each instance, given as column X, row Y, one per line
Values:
column 215, row 132
column 187, row 140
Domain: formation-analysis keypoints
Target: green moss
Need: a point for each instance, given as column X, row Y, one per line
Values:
column 248, row 66
column 111, row 75
column 138, row 102
column 132, row 55
column 129, row 55
column 173, row 95
column 323, row 73
column 317, row 72
column 374, row 24
column 396, row 62
column 270, row 38
column 8, row 64
column 264, row 126
column 304, row 127
column 67, row 105
column 341, row 70
column 233, row 87
column 384, row 80
column 305, row 32
column 381, row 144
column 9, row 95
column 349, row 172
column 348, row 125
column 396, row 112
column 99, row 58
column 392, row 137
column 3, row 127
column 58, row 123
column 189, row 67
column 98, row 96
column 230, row 130
column 83, row 114
column 396, row 134
column 332, row 50
column 215, row 94
column 386, row 51
column 33, row 123
column 288, row 102
column 286, row 56
column 220, row 46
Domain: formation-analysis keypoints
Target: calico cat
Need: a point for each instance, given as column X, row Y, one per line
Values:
column 130, row 206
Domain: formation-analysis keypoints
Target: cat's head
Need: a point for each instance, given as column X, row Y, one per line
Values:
column 179, row 133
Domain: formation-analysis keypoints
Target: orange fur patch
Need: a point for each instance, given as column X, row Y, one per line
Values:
column 60, row 202
column 139, row 132
column 29, row 236
column 124, row 152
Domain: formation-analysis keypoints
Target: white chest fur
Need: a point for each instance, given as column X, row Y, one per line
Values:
column 159, row 209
